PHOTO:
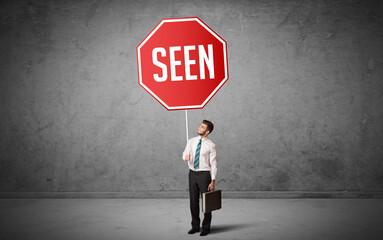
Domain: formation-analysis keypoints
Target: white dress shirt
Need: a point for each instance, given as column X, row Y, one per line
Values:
column 207, row 156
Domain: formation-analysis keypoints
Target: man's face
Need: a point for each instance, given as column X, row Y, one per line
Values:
column 202, row 129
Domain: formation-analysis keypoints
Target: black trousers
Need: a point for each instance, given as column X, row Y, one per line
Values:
column 198, row 184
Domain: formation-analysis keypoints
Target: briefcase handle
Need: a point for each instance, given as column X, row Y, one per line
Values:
column 212, row 190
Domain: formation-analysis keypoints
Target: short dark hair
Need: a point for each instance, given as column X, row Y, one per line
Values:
column 210, row 125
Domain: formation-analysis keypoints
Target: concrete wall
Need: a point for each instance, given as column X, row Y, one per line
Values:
column 302, row 110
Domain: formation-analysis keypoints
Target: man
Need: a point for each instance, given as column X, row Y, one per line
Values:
column 201, row 155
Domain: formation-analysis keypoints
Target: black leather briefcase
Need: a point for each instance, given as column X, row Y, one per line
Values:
column 211, row 201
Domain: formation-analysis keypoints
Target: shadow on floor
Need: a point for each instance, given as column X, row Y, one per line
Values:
column 227, row 228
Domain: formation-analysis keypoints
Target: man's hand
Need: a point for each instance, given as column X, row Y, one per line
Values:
column 211, row 187
column 187, row 157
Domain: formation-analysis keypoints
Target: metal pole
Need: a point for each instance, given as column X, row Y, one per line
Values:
column 187, row 126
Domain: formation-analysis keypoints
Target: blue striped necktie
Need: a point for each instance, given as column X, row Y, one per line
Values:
column 196, row 161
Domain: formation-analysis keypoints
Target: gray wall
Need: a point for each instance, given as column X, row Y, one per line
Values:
column 302, row 110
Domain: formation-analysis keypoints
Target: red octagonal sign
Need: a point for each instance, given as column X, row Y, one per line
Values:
column 182, row 63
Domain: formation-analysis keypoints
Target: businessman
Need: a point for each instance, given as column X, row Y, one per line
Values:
column 201, row 155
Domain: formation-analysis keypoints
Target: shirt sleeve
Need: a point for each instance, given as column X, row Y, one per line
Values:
column 187, row 150
column 213, row 161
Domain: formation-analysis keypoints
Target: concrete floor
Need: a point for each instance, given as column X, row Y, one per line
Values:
column 110, row 219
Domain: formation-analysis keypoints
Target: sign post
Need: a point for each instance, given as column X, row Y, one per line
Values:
column 187, row 125
column 182, row 63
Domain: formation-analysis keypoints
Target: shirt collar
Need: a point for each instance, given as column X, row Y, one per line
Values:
column 203, row 139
